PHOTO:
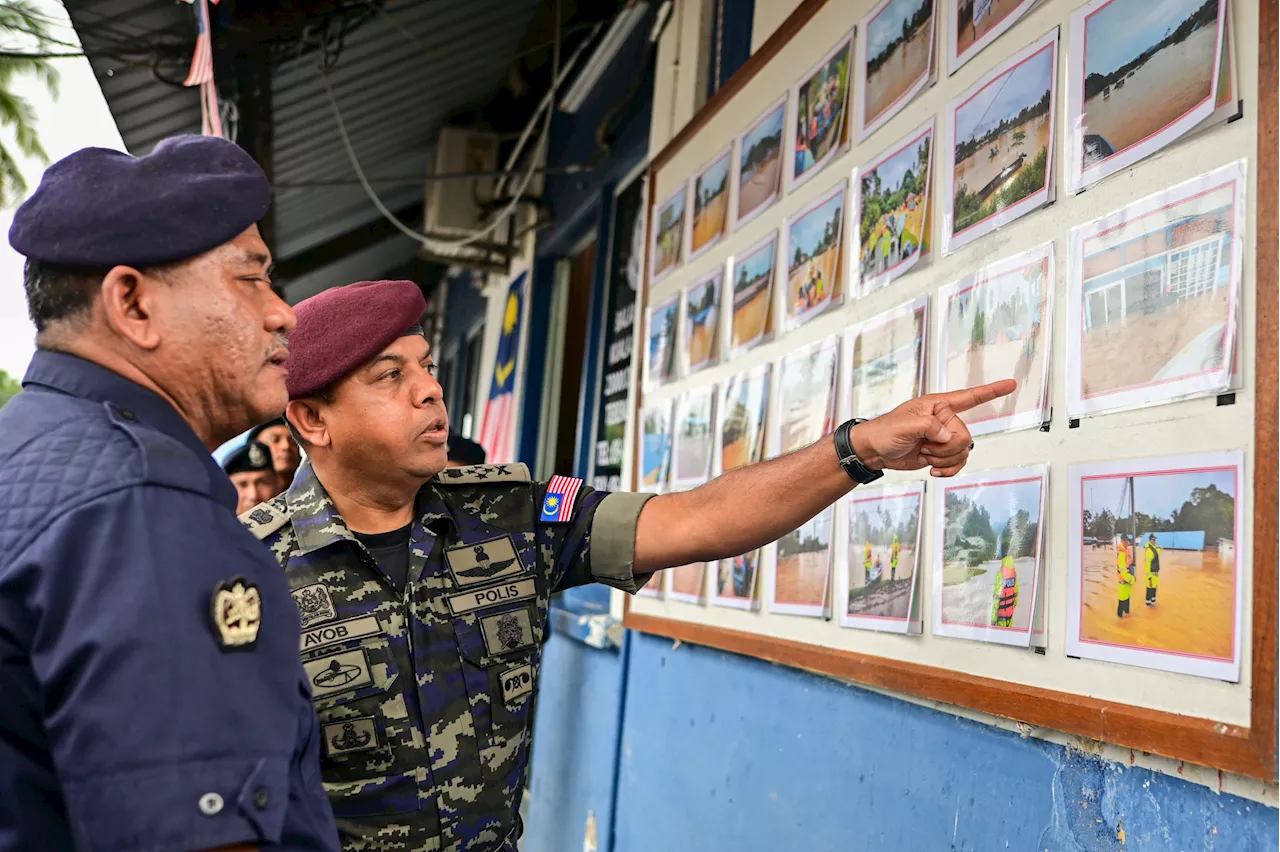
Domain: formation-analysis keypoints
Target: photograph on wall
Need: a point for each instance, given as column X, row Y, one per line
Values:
column 1226, row 103
column 736, row 581
column 806, row 395
column 802, row 568
column 895, row 46
column 668, row 235
column 879, row 583
column 694, row 437
column 977, row 23
column 1142, row 73
column 687, row 583
column 1154, row 296
column 986, row 560
column 1000, row 166
column 702, row 322
column 994, row 324
column 821, row 126
column 710, row 203
column 814, row 238
column 890, row 211
column 885, row 359
column 655, row 447
column 660, row 353
column 742, row 421
column 1155, row 580
column 753, row 273
column 760, row 163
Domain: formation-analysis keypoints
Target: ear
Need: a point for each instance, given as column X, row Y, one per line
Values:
column 129, row 304
column 307, row 418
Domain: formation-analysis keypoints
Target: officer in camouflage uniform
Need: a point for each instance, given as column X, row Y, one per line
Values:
column 422, row 637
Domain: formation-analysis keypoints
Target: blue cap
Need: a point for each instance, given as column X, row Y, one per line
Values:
column 99, row 208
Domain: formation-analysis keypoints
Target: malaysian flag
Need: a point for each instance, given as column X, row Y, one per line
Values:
column 201, row 73
column 557, row 507
column 497, row 434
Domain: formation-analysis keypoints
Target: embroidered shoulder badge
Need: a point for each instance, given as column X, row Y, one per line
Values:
column 237, row 613
column 264, row 519
column 484, row 474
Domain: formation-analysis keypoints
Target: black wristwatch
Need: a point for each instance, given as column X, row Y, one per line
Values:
column 849, row 460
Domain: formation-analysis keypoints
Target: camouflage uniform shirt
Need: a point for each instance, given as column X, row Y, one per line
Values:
column 424, row 693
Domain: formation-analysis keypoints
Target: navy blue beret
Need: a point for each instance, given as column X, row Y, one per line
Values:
column 99, row 208
column 251, row 457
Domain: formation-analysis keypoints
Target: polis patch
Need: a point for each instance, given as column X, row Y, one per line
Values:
column 519, row 590
column 340, row 631
column 315, row 604
column 506, row 632
column 350, row 735
column 517, row 682
column 483, row 562
column 336, row 673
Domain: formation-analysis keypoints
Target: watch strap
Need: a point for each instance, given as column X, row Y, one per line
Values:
column 849, row 460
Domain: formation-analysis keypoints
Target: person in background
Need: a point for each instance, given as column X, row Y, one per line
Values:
column 151, row 695
column 1124, row 576
column 424, row 590
column 463, row 452
column 285, row 455
column 1151, row 560
column 252, row 473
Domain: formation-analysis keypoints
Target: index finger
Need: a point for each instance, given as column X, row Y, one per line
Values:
column 963, row 400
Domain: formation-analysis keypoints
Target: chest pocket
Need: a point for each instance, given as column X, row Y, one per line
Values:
column 364, row 726
column 500, row 652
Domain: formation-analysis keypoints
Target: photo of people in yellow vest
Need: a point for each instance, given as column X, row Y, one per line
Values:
column 1167, row 527
column 884, row 535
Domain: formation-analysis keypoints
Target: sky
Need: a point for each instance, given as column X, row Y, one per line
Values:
column 771, row 126
column 78, row 118
column 716, row 176
column 899, row 508
column 888, row 25
column 806, row 232
column 892, row 170
column 1157, row 496
column 1001, row 501
column 759, row 263
column 1006, row 96
column 1125, row 28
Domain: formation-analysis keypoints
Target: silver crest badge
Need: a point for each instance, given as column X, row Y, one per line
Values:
column 237, row 613
column 257, row 456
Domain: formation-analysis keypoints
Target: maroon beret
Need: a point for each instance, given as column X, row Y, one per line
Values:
column 343, row 328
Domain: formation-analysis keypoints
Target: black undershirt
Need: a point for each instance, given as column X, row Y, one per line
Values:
column 391, row 550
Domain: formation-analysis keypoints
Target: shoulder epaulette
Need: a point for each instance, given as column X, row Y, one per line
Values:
column 484, row 474
column 265, row 518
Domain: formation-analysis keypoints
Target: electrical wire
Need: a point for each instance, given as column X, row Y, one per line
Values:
column 505, row 213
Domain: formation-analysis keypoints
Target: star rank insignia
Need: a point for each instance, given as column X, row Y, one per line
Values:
column 237, row 613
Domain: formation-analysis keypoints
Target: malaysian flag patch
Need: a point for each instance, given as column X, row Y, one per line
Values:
column 557, row 506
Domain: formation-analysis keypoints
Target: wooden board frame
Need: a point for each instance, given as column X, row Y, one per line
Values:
column 1247, row 751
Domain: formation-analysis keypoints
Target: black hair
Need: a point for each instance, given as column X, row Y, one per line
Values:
column 56, row 293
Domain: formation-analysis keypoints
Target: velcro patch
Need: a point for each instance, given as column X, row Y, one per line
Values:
column 350, row 735
column 336, row 673
column 483, row 562
column 517, row 682
column 340, row 631
column 518, row 590
column 506, row 632
column 484, row 474
column 315, row 604
column 557, row 506
column 264, row 519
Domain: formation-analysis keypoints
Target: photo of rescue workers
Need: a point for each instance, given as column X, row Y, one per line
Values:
column 702, row 322
column 814, row 239
column 883, row 557
column 710, row 203
column 822, row 101
column 892, row 210
column 753, row 274
column 1146, row 67
column 989, row 563
column 1002, row 145
column 897, row 55
column 760, row 163
column 1157, row 567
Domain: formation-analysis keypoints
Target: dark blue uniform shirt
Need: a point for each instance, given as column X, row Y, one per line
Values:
column 124, row 724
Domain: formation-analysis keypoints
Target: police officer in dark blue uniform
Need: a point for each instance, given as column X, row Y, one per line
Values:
column 151, row 696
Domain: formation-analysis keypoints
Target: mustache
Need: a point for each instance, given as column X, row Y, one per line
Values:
column 279, row 348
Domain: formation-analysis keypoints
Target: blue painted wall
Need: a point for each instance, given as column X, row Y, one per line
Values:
column 724, row 752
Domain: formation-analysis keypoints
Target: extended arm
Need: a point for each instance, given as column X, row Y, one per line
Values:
column 750, row 507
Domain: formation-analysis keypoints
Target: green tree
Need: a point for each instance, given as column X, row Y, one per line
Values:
column 9, row 388
column 25, row 51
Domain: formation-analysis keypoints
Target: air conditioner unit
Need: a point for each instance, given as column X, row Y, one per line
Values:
column 451, row 208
